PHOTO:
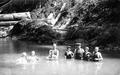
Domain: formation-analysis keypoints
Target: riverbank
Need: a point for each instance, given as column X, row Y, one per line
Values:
column 84, row 22
column 72, row 22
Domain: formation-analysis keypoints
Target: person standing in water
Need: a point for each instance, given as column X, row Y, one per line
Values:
column 78, row 53
column 68, row 53
column 53, row 53
column 23, row 59
column 86, row 54
column 33, row 58
column 97, row 56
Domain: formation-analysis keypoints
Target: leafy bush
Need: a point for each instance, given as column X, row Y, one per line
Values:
column 98, row 22
column 94, row 21
column 34, row 30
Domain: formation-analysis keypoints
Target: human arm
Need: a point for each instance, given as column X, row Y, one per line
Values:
column 100, row 56
column 57, row 54
column 74, row 53
column 65, row 54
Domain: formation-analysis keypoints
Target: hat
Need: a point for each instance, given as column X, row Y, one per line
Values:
column 24, row 54
column 79, row 44
column 87, row 48
column 97, row 48
column 33, row 52
column 68, row 46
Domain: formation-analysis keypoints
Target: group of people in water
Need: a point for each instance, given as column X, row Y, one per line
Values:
column 83, row 54
column 24, row 59
column 78, row 53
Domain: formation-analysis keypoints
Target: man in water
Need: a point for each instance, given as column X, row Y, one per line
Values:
column 68, row 53
column 97, row 56
column 86, row 54
column 78, row 53
column 54, row 53
column 23, row 59
column 33, row 58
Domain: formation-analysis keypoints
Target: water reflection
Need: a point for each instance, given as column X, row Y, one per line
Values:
column 98, row 67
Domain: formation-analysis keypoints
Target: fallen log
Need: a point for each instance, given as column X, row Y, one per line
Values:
column 15, row 16
column 58, row 16
column 8, row 23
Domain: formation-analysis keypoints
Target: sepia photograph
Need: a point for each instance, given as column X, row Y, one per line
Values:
column 59, row 37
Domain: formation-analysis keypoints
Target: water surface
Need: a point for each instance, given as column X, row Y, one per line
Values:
column 10, row 50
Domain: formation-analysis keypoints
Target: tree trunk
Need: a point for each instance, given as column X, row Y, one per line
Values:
column 14, row 16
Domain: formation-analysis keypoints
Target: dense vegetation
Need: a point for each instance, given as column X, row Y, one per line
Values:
column 34, row 31
column 98, row 22
column 95, row 22
column 9, row 6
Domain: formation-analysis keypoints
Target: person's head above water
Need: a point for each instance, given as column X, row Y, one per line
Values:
column 32, row 53
column 68, row 48
column 78, row 45
column 54, row 45
column 86, row 49
column 96, row 49
column 24, row 54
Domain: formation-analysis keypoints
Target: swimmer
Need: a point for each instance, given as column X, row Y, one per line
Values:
column 97, row 56
column 78, row 53
column 53, row 53
column 68, row 53
column 23, row 59
column 33, row 58
column 86, row 54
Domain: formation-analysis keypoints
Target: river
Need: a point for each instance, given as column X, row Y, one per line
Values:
column 10, row 50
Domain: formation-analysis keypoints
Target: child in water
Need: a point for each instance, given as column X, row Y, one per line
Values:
column 68, row 53
column 97, row 56
column 53, row 53
column 86, row 54
column 78, row 53
column 33, row 58
column 23, row 59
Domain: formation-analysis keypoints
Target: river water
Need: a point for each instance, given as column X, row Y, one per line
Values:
column 10, row 50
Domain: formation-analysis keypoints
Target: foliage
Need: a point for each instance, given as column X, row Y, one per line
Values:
column 94, row 21
column 34, row 30
column 98, row 22
column 10, row 6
